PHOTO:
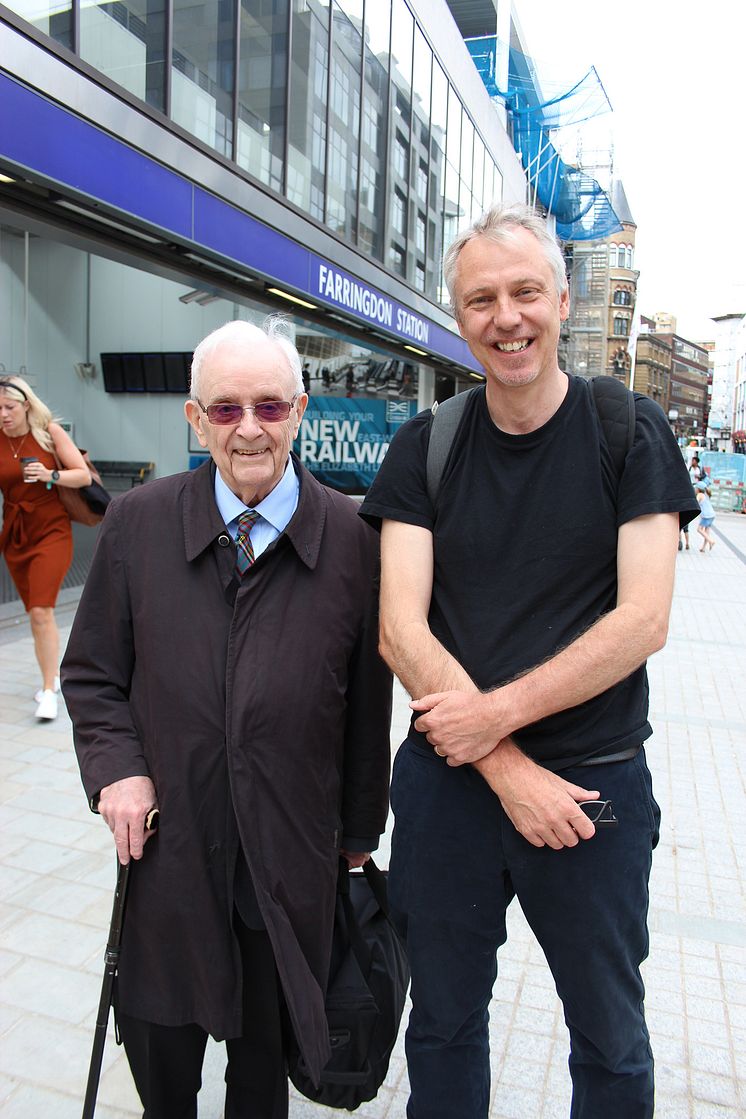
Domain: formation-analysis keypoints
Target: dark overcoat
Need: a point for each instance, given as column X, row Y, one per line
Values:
column 260, row 710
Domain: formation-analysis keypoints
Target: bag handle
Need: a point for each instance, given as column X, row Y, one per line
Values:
column 377, row 882
column 354, row 934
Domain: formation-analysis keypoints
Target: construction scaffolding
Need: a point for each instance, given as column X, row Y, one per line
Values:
column 580, row 205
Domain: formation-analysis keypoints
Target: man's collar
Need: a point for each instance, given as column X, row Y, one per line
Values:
column 202, row 520
column 203, row 523
column 277, row 508
column 307, row 526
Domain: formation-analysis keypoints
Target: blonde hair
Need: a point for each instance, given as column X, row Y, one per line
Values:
column 38, row 416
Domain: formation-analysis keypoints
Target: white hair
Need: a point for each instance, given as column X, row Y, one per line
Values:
column 275, row 328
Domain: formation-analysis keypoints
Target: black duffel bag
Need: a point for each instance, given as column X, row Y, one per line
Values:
column 367, row 989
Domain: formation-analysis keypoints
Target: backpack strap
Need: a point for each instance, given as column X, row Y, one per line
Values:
column 615, row 405
column 443, row 427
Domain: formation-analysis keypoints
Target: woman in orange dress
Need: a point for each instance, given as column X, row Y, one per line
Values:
column 36, row 456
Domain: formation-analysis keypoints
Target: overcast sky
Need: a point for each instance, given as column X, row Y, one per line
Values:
column 674, row 74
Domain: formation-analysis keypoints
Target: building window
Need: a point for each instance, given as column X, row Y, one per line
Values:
column 202, row 71
column 307, row 91
column 581, row 279
column 126, row 41
column 52, row 18
column 371, row 122
column 612, row 256
column 421, row 187
column 341, row 93
column 621, row 325
column 622, row 298
column 262, row 81
column 401, row 156
column 420, row 234
column 368, row 186
column 399, row 213
column 375, row 95
column 344, row 132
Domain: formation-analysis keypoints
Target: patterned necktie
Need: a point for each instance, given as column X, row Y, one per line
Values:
column 244, row 550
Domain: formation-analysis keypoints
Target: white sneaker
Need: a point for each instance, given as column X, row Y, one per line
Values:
column 40, row 693
column 47, row 708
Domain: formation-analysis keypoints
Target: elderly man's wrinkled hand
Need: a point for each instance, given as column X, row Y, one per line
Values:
column 125, row 805
column 356, row 859
column 459, row 725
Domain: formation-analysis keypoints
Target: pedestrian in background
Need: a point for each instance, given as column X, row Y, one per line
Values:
column 696, row 472
column 706, row 516
column 36, row 456
column 223, row 667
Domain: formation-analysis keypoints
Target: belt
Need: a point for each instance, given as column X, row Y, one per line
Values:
column 606, row 759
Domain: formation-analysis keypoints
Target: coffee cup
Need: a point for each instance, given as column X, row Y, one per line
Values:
column 24, row 464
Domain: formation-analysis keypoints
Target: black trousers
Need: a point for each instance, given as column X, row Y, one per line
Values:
column 166, row 1061
column 456, row 864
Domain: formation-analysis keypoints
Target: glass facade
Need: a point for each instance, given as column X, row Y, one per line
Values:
column 127, row 42
column 340, row 106
column 55, row 20
column 307, row 103
column 262, row 91
column 345, row 101
column 203, row 70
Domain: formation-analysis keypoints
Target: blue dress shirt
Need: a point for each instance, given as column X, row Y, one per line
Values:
column 275, row 511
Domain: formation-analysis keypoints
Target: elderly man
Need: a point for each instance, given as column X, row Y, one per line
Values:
column 518, row 606
column 223, row 667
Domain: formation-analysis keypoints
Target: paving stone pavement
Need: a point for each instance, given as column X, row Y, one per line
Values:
column 58, row 874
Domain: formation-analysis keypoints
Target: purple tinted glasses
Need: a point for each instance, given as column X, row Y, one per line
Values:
column 268, row 412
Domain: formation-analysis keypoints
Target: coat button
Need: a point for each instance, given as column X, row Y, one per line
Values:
column 224, row 540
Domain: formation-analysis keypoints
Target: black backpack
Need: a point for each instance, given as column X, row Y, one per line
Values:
column 365, row 995
column 614, row 403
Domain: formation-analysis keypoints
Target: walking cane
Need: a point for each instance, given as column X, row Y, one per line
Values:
column 111, row 962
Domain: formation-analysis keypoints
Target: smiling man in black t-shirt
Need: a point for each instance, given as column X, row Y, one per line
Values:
column 519, row 610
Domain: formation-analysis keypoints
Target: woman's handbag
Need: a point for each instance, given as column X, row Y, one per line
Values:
column 87, row 504
column 365, row 996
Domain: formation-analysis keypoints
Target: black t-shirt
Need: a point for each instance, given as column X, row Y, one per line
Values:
column 525, row 543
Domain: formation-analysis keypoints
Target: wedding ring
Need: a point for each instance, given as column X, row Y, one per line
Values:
column 439, row 752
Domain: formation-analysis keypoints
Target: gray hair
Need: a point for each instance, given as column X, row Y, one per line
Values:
column 499, row 224
column 275, row 328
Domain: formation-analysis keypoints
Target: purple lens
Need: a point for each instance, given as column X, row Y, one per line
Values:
column 224, row 413
column 272, row 410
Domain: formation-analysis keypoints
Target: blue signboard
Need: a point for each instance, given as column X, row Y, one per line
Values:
column 331, row 284
column 343, row 440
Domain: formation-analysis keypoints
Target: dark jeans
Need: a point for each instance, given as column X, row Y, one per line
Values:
column 166, row 1061
column 457, row 862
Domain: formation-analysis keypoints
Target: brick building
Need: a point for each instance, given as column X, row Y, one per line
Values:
column 653, row 364
column 603, row 293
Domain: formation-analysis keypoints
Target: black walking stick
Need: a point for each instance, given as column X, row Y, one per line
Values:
column 111, row 962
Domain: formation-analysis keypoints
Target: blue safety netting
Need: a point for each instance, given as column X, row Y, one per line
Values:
column 580, row 205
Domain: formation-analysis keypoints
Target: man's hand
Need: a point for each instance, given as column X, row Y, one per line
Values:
column 461, row 725
column 356, row 859
column 540, row 804
column 124, row 806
